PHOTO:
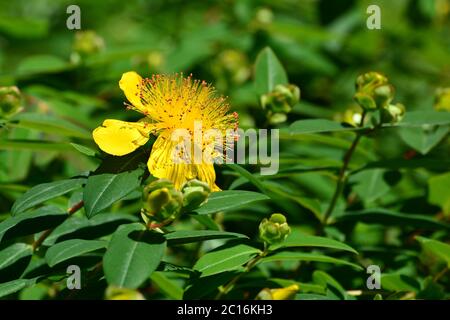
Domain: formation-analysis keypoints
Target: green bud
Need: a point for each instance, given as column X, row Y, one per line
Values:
column 365, row 101
column 281, row 99
column 277, row 118
column 373, row 91
column 10, row 101
column 442, row 99
column 88, row 42
column 162, row 203
column 393, row 113
column 275, row 229
column 367, row 81
column 383, row 95
column 195, row 193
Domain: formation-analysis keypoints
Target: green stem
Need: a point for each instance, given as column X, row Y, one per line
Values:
column 227, row 288
column 77, row 206
column 342, row 172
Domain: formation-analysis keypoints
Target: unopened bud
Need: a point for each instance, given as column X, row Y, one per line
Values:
column 275, row 229
column 373, row 91
column 369, row 80
column 393, row 113
column 442, row 99
column 10, row 101
column 365, row 101
column 195, row 193
column 162, row 203
column 88, row 42
column 281, row 99
column 383, row 95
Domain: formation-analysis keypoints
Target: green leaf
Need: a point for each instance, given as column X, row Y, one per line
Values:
column 13, row 253
column 41, row 64
column 66, row 250
column 25, row 27
column 50, row 124
column 189, row 236
column 304, row 256
column 132, row 255
column 318, row 125
column 423, row 140
column 206, row 221
column 103, row 190
column 369, row 185
column 334, row 288
column 246, row 175
column 412, row 119
column 228, row 200
column 439, row 249
column 87, row 229
column 34, row 145
column 203, row 286
column 425, row 118
column 391, row 218
column 313, row 296
column 225, row 258
column 84, row 150
column 399, row 163
column 269, row 72
column 43, row 192
column 166, row 285
column 399, row 282
column 13, row 286
column 31, row 222
column 439, row 191
column 298, row 239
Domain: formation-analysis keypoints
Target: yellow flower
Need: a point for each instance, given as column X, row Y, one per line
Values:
column 278, row 294
column 170, row 103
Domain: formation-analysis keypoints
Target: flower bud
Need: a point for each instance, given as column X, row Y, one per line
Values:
column 162, row 203
column 442, row 99
column 393, row 113
column 10, row 101
column 373, row 91
column 383, row 95
column 275, row 229
column 115, row 293
column 88, row 42
column 352, row 115
column 365, row 101
column 281, row 99
column 277, row 118
column 368, row 80
column 195, row 193
column 278, row 294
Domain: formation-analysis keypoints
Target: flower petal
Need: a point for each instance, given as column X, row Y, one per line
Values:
column 119, row 137
column 205, row 172
column 162, row 165
column 131, row 83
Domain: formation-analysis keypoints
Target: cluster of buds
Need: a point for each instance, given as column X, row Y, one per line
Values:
column 280, row 101
column 278, row 294
column 10, row 101
column 374, row 92
column 163, row 204
column 442, row 99
column 275, row 229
